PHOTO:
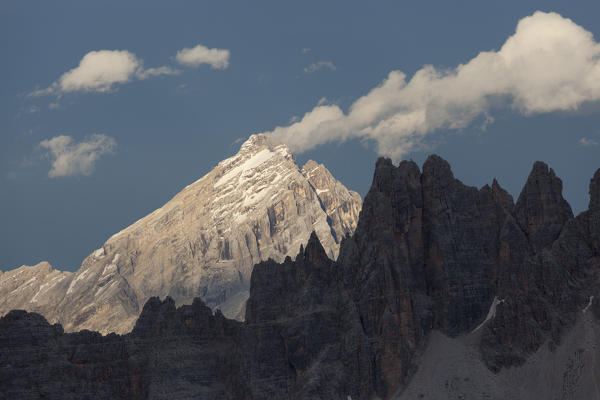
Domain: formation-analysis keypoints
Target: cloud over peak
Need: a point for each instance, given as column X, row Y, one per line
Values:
column 198, row 55
column 548, row 64
column 70, row 158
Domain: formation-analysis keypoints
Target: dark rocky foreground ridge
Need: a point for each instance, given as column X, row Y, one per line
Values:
column 431, row 257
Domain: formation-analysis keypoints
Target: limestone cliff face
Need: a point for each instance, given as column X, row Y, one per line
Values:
column 171, row 354
column 590, row 219
column 203, row 243
column 341, row 205
column 429, row 255
column 37, row 288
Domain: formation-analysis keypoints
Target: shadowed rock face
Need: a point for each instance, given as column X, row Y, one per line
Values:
column 590, row 219
column 541, row 211
column 171, row 354
column 431, row 258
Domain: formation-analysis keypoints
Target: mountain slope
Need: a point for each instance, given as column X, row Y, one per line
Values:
column 204, row 242
column 443, row 291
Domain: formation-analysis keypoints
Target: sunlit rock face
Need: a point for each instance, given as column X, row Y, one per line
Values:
column 38, row 288
column 203, row 243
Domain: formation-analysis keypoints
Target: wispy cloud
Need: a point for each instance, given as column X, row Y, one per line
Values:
column 548, row 64
column 322, row 101
column 151, row 72
column 314, row 67
column 101, row 71
column 198, row 55
column 587, row 142
column 76, row 158
column 305, row 50
column 182, row 88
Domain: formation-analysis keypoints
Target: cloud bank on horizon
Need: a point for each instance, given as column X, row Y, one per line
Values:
column 70, row 158
column 549, row 64
column 102, row 70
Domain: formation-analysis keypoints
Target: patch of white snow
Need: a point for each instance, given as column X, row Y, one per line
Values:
column 109, row 269
column 588, row 304
column 46, row 286
column 491, row 313
column 253, row 162
column 74, row 281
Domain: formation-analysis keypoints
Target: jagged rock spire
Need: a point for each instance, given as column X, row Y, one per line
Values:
column 595, row 192
column 541, row 211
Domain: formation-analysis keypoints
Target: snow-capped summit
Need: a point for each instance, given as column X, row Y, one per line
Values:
column 204, row 242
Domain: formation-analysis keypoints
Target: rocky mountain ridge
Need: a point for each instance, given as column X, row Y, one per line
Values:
column 204, row 242
column 444, row 291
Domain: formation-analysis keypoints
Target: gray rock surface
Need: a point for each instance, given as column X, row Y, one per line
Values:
column 37, row 288
column 429, row 255
column 254, row 206
column 171, row 354
column 452, row 369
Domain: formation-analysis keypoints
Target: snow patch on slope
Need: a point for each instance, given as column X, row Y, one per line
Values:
column 588, row 304
column 47, row 286
column 253, row 162
column 77, row 278
column 491, row 313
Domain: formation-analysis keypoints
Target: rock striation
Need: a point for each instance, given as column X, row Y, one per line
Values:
column 254, row 206
column 37, row 288
column 443, row 291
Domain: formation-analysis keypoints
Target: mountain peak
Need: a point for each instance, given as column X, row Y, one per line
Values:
column 314, row 251
column 541, row 211
column 435, row 167
column 204, row 242
column 260, row 141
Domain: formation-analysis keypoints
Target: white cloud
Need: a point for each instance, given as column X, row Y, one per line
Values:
column 314, row 67
column 548, row 64
column 322, row 101
column 198, row 55
column 70, row 158
column 101, row 71
column 305, row 50
column 587, row 142
column 150, row 72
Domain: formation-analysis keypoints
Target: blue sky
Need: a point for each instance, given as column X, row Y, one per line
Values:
column 147, row 137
